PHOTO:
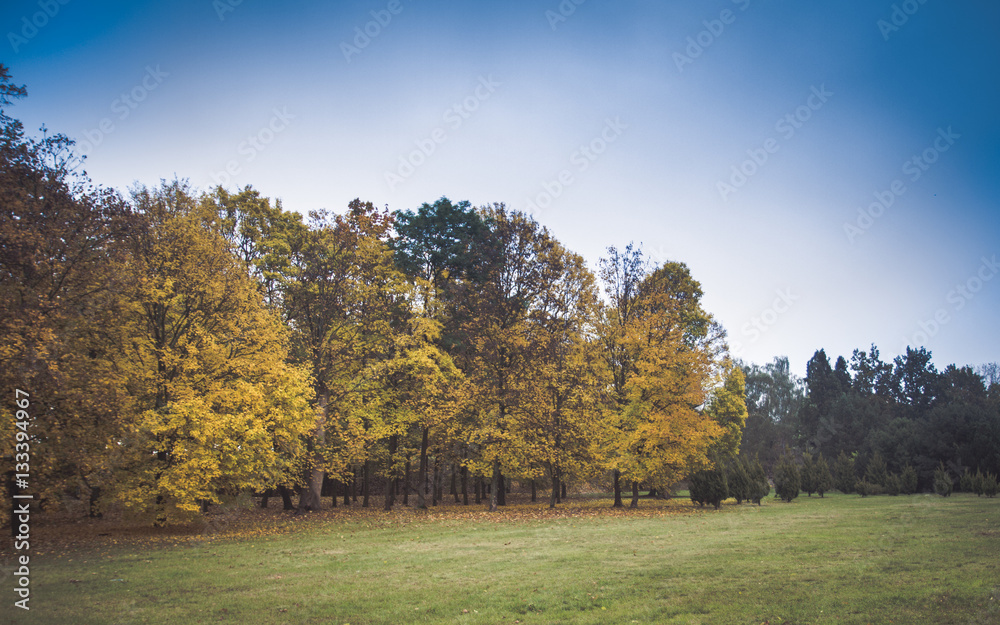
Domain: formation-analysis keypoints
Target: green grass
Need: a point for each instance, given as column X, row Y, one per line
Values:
column 841, row 559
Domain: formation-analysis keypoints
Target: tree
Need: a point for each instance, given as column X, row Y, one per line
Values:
column 773, row 398
column 727, row 407
column 662, row 349
column 759, row 486
column 214, row 407
column 943, row 484
column 738, row 480
column 876, row 473
column 845, row 475
column 822, row 478
column 708, row 486
column 787, row 480
column 808, row 474
column 908, row 480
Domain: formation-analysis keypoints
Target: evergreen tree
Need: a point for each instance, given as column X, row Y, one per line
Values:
column 967, row 483
column 759, row 486
column 876, row 473
column 989, row 485
column 787, row 479
column 808, row 474
column 908, row 480
column 942, row 481
column 893, row 485
column 845, row 476
column 738, row 479
column 709, row 487
column 822, row 476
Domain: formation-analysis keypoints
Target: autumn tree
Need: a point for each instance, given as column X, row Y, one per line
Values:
column 214, row 408
column 663, row 350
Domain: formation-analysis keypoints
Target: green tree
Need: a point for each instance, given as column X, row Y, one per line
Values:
column 759, row 486
column 708, row 486
column 738, row 480
column 787, row 479
column 876, row 473
column 823, row 479
column 908, row 480
column 943, row 484
column 845, row 476
column 808, row 474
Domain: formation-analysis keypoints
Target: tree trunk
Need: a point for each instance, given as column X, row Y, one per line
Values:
column 390, row 479
column 554, row 497
column 309, row 495
column 286, row 498
column 465, row 486
column 533, row 491
column 354, row 485
column 502, row 494
column 435, row 482
column 616, row 474
column 264, row 498
column 562, row 489
column 368, row 483
column 635, row 495
column 347, row 489
column 422, row 473
column 478, row 486
column 495, row 486
column 406, row 483
column 454, row 482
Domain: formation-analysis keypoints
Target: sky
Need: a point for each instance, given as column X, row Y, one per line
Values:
column 829, row 172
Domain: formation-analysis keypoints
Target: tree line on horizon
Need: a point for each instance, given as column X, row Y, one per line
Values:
column 183, row 348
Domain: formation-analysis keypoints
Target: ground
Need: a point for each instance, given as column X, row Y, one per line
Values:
column 839, row 559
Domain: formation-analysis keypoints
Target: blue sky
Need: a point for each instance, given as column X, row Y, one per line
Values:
column 828, row 171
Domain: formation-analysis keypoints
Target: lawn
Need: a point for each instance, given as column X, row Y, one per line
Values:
column 840, row 559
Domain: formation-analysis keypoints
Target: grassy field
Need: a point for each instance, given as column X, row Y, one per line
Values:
column 841, row 559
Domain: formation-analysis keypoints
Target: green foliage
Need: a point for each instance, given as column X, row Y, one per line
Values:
column 759, row 486
column 942, row 481
column 893, row 484
column 877, row 473
column 709, row 486
column 865, row 488
column 822, row 476
column 787, row 479
column 967, row 483
column 738, row 480
column 808, row 473
column 845, row 476
column 990, row 486
column 908, row 480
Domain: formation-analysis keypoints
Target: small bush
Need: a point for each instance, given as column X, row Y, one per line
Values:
column 709, row 487
column 908, row 480
column 893, row 484
column 967, row 483
column 845, row 477
column 990, row 485
column 759, row 486
column 942, row 481
column 787, row 479
column 822, row 476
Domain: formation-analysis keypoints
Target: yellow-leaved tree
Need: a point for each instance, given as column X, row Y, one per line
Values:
column 213, row 407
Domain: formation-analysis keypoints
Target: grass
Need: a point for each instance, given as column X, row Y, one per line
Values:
column 840, row 559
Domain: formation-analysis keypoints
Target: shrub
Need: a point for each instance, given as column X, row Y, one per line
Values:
column 877, row 473
column 845, row 477
column 738, row 480
column 990, row 485
column 908, row 480
column 808, row 474
column 865, row 488
column 978, row 483
column 822, row 476
column 942, row 481
column 967, row 483
column 709, row 486
column 893, row 484
column 787, row 479
column 759, row 486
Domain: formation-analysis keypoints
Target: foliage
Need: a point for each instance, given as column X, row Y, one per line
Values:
column 908, row 480
column 822, row 478
column 738, row 480
column 942, row 481
column 845, row 475
column 759, row 485
column 787, row 479
column 708, row 486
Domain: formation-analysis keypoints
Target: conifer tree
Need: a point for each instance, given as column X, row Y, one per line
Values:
column 845, row 475
column 787, row 478
column 823, row 479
